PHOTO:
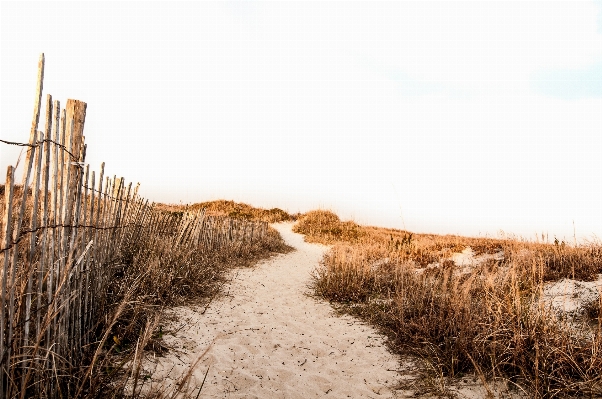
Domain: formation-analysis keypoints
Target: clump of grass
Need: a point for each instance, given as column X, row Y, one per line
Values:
column 325, row 227
column 490, row 320
column 583, row 262
column 234, row 210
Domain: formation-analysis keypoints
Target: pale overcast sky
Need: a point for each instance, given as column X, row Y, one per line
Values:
column 448, row 117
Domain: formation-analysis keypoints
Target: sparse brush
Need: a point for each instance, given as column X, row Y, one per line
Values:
column 489, row 320
column 234, row 210
column 167, row 259
column 325, row 227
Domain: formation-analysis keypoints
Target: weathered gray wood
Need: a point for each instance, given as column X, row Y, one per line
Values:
column 76, row 116
column 30, row 266
column 64, row 287
column 44, row 258
column 78, row 194
column 106, row 215
column 60, row 232
column 5, row 241
column 136, row 190
column 54, row 220
column 56, row 137
column 108, row 218
column 117, row 204
column 140, row 219
column 97, row 234
column 199, row 235
column 125, row 218
column 91, row 236
column 32, row 243
column 13, row 314
column 6, row 227
column 76, row 248
column 36, row 111
column 68, row 198
column 62, row 169
column 81, row 268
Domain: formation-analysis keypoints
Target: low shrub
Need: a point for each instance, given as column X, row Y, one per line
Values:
column 490, row 319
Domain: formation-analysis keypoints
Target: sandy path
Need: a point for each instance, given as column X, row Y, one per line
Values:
column 268, row 339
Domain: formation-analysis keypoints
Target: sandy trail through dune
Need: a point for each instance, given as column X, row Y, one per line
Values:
column 267, row 339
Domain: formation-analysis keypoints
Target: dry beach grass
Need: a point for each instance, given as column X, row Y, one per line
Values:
column 491, row 319
column 236, row 210
column 146, row 275
column 481, row 312
column 464, row 306
column 267, row 338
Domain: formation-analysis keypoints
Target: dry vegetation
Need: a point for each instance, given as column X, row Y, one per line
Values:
column 489, row 320
column 153, row 278
column 148, row 273
column 236, row 210
column 85, row 272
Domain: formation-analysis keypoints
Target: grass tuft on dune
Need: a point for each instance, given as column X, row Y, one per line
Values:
column 236, row 210
column 491, row 318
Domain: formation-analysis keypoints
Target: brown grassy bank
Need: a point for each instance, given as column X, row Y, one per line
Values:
column 489, row 320
column 236, row 210
column 161, row 279
column 145, row 273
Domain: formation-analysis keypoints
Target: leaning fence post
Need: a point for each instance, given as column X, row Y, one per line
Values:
column 5, row 241
column 30, row 256
column 16, row 233
column 36, row 110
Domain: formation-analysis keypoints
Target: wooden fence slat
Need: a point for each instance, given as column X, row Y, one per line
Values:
column 6, row 239
column 54, row 220
column 106, row 216
column 36, row 112
column 111, row 204
column 125, row 218
column 91, row 236
column 55, row 159
column 32, row 245
column 14, row 316
column 60, row 232
column 81, row 268
column 76, row 115
column 45, row 219
column 118, row 203
column 61, row 171
column 99, row 234
column 65, row 255
column 97, row 237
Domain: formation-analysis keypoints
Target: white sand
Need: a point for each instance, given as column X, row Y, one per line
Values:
column 465, row 261
column 267, row 339
column 468, row 258
column 570, row 297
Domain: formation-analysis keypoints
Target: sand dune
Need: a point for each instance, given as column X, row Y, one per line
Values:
column 267, row 339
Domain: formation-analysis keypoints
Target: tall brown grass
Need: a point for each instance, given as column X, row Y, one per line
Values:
column 489, row 320
column 146, row 274
column 163, row 278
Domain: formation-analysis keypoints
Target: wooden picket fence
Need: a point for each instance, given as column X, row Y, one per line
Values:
column 61, row 231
